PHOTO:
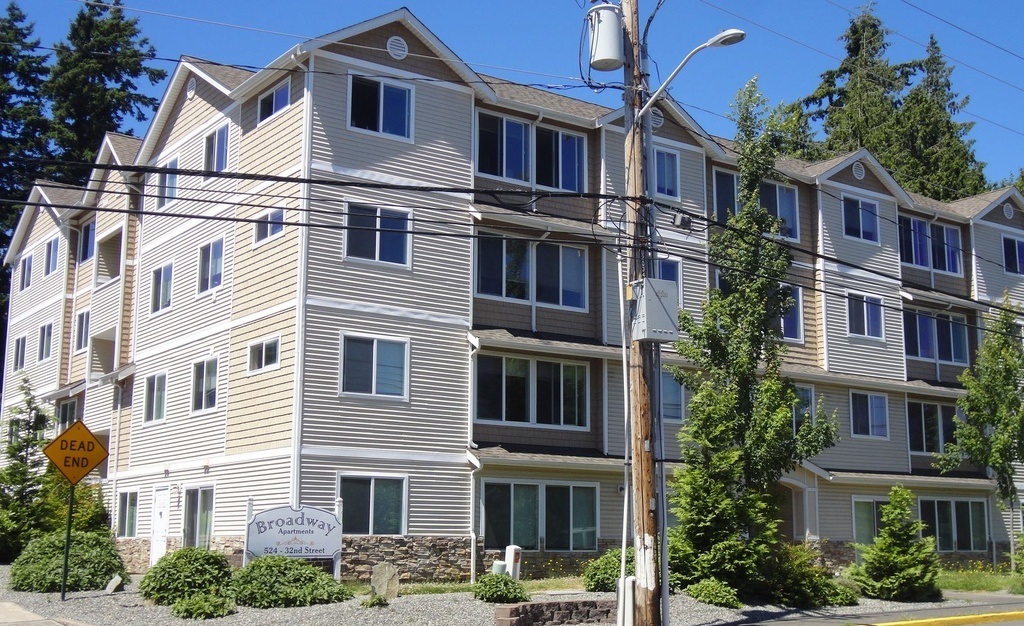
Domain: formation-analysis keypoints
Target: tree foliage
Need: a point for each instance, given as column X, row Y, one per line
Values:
column 991, row 431
column 21, row 479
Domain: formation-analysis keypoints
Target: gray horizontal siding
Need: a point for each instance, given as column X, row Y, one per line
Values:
column 873, row 454
column 859, row 355
column 883, row 258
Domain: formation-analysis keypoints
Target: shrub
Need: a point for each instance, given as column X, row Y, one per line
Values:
column 278, row 581
column 714, row 591
column 794, row 579
column 92, row 562
column 900, row 564
column 499, row 588
column 202, row 606
column 374, row 600
column 602, row 573
column 185, row 573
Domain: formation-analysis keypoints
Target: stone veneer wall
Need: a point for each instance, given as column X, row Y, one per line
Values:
column 135, row 553
column 543, row 563
column 553, row 613
column 418, row 559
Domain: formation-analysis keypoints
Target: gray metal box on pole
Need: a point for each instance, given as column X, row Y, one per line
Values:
column 657, row 310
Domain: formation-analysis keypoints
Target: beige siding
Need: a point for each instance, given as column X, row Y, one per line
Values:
column 870, row 182
column 273, row 146
column 372, row 44
column 186, row 114
column 266, row 272
column 99, row 411
column 805, row 352
column 616, row 409
column 859, row 453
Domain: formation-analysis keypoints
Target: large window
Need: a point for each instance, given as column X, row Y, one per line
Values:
column 264, row 354
column 793, row 318
column 869, row 415
column 505, row 386
column 270, row 225
column 127, row 513
column 931, row 426
column 67, row 414
column 957, row 525
column 504, row 270
column 803, row 408
column 211, row 265
column 860, row 219
column 380, row 107
column 867, row 519
column 161, row 289
column 938, row 336
column 215, row 155
column 198, row 522
column 864, row 315
column 561, row 275
column 946, row 248
column 45, row 341
column 673, row 398
column 167, row 184
column 1013, row 255
column 156, row 398
column 565, row 515
column 274, row 100
column 373, row 366
column 20, row 346
column 204, row 385
column 373, row 505
column 82, row 331
column 780, row 202
column 26, row 272
column 503, row 147
column 560, row 159
column 52, row 254
column 726, row 195
column 666, row 166
column 87, row 241
column 937, row 246
column 377, row 234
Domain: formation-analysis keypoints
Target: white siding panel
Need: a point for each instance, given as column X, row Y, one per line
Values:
column 100, row 407
column 616, row 409
column 993, row 279
column 105, row 310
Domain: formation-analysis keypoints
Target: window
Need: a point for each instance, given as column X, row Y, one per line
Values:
column 860, row 219
column 946, row 248
column 956, row 524
column 918, row 334
column 204, row 385
column 198, row 522
column 792, row 319
column 913, row 241
column 377, row 234
column 951, row 335
column 52, row 254
column 503, row 147
column 161, row 289
column 215, row 157
column 667, row 173
column 167, row 183
column 156, row 397
column 869, row 415
column 67, row 414
column 726, row 195
column 560, row 159
column 1013, row 255
column 935, row 336
column 666, row 269
column 127, row 513
column 263, row 354
column 867, row 520
column 26, row 272
column 864, row 315
column 561, row 275
column 780, row 202
column 505, row 386
column 20, row 346
column 82, row 331
column 931, row 426
column 373, row 506
column 513, row 513
column 211, row 266
column 380, row 107
column 373, row 366
column 673, row 398
column 503, row 270
column 803, row 408
column 271, row 224
column 87, row 241
column 45, row 341
column 943, row 251
column 273, row 101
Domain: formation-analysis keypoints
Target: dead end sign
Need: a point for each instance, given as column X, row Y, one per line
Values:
column 76, row 452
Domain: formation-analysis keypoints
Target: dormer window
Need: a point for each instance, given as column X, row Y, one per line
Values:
column 273, row 101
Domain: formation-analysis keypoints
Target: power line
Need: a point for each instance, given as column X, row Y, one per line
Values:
column 963, row 30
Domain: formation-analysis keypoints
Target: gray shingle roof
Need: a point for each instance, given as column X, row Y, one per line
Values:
column 59, row 193
column 545, row 99
column 228, row 76
column 970, row 207
column 125, row 146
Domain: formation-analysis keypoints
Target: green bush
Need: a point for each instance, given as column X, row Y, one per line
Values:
column 202, row 606
column 714, row 591
column 499, row 588
column 602, row 573
column 185, row 573
column 92, row 562
column 794, row 579
column 374, row 600
column 278, row 581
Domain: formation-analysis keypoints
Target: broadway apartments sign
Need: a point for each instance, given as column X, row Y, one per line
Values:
column 306, row 532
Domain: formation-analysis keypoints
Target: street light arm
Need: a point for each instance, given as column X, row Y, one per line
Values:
column 654, row 96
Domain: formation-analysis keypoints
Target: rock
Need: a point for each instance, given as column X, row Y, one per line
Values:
column 384, row 580
column 115, row 585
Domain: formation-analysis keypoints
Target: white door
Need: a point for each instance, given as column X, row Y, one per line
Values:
column 158, row 536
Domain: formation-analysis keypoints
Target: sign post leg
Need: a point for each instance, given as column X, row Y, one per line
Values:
column 67, row 544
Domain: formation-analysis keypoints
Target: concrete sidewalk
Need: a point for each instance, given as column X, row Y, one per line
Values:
column 13, row 615
column 984, row 608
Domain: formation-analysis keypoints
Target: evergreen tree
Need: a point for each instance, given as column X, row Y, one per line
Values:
column 93, row 85
column 21, row 479
column 740, row 439
column 991, row 431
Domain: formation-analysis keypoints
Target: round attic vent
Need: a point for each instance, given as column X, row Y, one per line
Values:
column 858, row 170
column 190, row 89
column 1008, row 211
column 657, row 118
column 397, row 48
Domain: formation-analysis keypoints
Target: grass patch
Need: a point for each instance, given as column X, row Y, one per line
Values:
column 567, row 583
column 977, row 581
column 415, row 589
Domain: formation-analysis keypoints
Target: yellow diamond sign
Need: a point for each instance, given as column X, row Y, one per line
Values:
column 76, row 452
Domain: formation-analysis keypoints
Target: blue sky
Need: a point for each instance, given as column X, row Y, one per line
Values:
column 789, row 43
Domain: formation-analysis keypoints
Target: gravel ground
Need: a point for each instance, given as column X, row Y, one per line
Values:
column 95, row 608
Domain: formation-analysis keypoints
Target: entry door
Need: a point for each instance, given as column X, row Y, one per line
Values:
column 158, row 536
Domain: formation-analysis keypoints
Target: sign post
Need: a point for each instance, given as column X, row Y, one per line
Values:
column 75, row 453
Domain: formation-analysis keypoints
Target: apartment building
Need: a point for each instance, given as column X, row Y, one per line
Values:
column 367, row 272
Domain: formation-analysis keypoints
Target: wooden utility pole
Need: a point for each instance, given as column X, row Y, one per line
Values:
column 641, row 353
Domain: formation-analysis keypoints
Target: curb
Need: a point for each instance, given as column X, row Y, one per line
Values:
column 979, row 618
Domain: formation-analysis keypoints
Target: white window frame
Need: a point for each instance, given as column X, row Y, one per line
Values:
column 952, row 503
column 798, row 305
column 200, row 266
column 865, row 304
column 149, row 415
column 52, row 256
column 531, row 393
column 1019, row 251
column 381, row 82
column 953, row 320
column 529, row 153
column 269, row 220
column 374, row 394
column 796, row 207
column 559, row 134
column 87, row 241
column 124, row 499
column 876, row 502
column 25, row 272
column 659, row 264
column 200, row 488
column 195, row 380
column 373, row 477
column 668, row 379
column 870, row 434
column 167, row 184
column 542, row 531
column 714, row 193
column 262, row 345
column 958, row 249
column 915, row 262
column 675, row 155
column 45, row 340
column 212, row 147
column 156, row 289
column 20, row 352
column 82, row 331
column 531, row 279
column 924, row 438
column 271, row 95
column 376, row 234
column 66, row 414
column 860, row 226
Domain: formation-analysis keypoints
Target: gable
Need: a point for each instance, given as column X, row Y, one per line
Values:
column 996, row 214
column 186, row 114
column 871, row 182
column 371, row 46
column 674, row 131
